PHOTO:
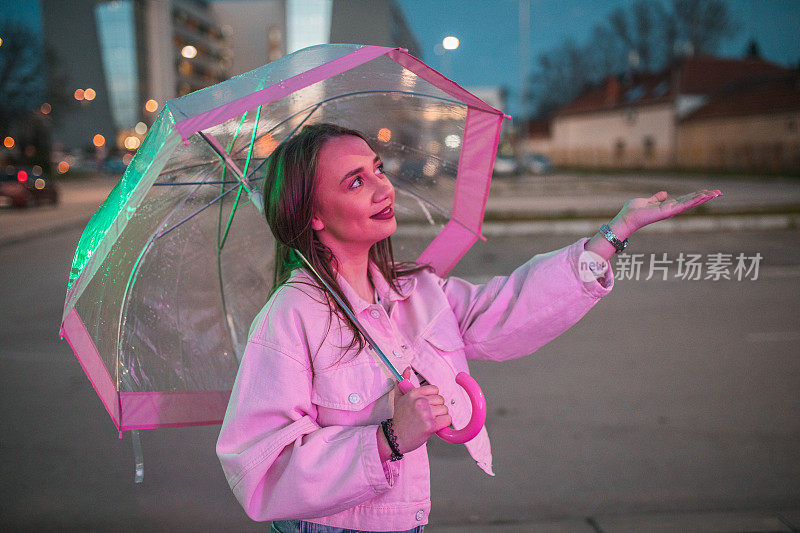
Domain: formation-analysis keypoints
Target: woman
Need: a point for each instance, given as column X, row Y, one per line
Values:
column 317, row 436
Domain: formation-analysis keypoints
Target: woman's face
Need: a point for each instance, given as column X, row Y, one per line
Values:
column 354, row 200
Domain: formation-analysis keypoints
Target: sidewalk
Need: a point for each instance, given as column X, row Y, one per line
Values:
column 705, row 522
column 558, row 203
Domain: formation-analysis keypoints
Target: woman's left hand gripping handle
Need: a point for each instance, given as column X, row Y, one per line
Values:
column 468, row 432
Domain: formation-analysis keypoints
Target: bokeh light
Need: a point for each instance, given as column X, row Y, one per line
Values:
column 141, row 128
column 78, row 94
column 89, row 94
column 450, row 43
column 132, row 143
column 126, row 159
column 36, row 170
column 98, row 140
column 22, row 176
column 39, row 183
column 63, row 167
column 264, row 145
column 189, row 51
column 429, row 168
column 384, row 135
column 151, row 106
column 45, row 109
column 452, row 141
column 8, row 142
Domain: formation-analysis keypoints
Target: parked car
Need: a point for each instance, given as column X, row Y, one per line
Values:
column 538, row 164
column 19, row 187
column 505, row 166
column 114, row 166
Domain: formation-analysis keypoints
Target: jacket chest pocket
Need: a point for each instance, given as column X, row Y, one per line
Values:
column 351, row 387
column 440, row 357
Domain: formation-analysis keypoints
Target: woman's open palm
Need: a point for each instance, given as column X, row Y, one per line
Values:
column 640, row 212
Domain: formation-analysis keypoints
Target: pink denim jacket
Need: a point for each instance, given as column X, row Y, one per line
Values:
column 299, row 436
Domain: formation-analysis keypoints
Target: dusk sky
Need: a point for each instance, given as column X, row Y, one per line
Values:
column 488, row 30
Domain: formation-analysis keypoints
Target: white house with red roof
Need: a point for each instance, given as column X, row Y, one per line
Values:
column 703, row 112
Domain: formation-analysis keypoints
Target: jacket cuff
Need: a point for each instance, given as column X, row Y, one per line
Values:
column 579, row 262
column 381, row 476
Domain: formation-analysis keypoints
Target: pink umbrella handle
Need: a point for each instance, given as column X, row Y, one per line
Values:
column 473, row 390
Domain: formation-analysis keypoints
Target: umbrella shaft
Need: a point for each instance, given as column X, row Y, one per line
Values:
column 352, row 316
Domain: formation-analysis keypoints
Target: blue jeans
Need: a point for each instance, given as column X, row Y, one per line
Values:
column 300, row 526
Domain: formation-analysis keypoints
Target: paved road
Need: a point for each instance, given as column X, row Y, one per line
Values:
column 668, row 396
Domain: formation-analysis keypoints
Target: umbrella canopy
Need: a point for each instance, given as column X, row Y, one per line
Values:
column 172, row 268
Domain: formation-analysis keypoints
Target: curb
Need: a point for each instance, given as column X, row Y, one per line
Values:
column 688, row 224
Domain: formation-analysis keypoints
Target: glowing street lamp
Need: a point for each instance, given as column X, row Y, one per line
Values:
column 450, row 42
column 189, row 51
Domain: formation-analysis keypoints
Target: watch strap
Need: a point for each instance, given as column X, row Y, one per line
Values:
column 606, row 232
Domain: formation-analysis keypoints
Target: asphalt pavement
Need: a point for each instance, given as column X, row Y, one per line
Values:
column 639, row 461
column 554, row 203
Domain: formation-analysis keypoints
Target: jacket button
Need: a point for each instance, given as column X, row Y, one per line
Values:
column 374, row 313
column 452, row 402
column 403, row 346
column 396, row 353
column 354, row 398
column 420, row 515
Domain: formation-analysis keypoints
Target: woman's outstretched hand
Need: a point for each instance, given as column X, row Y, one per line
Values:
column 417, row 416
column 639, row 212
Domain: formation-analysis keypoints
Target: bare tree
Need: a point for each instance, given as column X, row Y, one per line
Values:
column 703, row 24
column 647, row 37
column 22, row 82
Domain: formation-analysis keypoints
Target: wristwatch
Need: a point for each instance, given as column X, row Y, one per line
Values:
column 606, row 232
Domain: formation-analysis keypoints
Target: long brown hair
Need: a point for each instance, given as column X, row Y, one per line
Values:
column 289, row 206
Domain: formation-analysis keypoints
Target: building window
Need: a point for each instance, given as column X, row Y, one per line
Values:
column 649, row 147
column 619, row 150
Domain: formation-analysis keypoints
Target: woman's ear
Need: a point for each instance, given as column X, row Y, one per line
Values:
column 317, row 224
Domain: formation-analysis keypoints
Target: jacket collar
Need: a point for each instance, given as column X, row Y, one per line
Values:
column 385, row 291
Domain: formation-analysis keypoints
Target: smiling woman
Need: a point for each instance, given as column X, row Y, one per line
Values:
column 326, row 196
column 317, row 430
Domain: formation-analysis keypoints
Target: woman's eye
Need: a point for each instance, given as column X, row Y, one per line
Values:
column 379, row 170
column 356, row 183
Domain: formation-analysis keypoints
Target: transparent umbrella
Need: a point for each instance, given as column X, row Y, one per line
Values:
column 172, row 268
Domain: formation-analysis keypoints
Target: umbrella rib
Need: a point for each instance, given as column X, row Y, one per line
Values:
column 317, row 106
column 440, row 210
column 209, row 204
column 332, row 98
column 223, row 182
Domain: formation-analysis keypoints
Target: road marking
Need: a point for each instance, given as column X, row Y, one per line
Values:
column 773, row 336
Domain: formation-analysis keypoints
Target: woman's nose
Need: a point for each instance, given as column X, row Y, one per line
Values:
column 384, row 189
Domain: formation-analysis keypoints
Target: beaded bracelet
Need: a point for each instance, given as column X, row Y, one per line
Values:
column 388, row 431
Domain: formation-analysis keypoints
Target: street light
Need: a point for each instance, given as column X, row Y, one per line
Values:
column 450, row 42
column 189, row 51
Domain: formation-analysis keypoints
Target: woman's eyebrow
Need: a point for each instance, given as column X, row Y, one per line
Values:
column 359, row 169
